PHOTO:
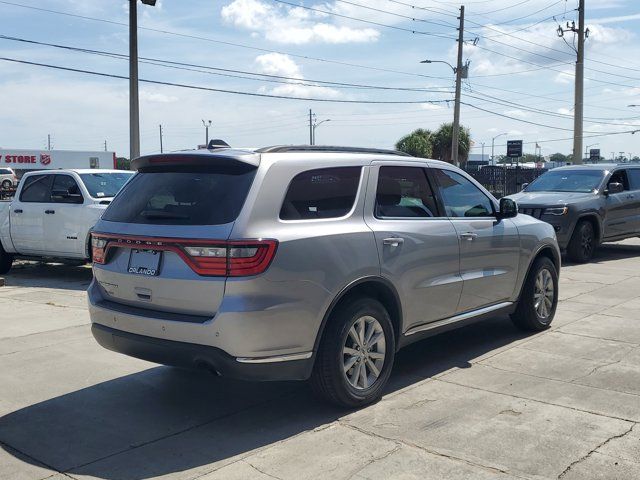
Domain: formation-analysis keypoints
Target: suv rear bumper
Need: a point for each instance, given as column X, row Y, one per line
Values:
column 190, row 355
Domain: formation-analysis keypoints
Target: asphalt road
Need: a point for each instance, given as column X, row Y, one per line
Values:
column 482, row 402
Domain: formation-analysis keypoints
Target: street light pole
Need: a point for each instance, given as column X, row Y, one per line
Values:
column 493, row 144
column 316, row 125
column 206, row 124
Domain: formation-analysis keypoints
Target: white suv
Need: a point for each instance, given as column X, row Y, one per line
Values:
column 8, row 178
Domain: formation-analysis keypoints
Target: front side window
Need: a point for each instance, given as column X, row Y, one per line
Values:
column 620, row 176
column 321, row 193
column 634, row 178
column 36, row 189
column 404, row 192
column 461, row 197
column 65, row 190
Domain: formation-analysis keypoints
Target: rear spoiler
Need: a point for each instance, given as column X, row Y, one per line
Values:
column 197, row 158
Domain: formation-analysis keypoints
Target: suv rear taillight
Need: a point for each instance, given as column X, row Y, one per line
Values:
column 236, row 258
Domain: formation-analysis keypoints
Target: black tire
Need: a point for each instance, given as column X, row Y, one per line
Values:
column 6, row 261
column 583, row 242
column 328, row 378
column 527, row 315
column 7, row 184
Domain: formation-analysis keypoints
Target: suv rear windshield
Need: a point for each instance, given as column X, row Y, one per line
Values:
column 322, row 193
column 186, row 196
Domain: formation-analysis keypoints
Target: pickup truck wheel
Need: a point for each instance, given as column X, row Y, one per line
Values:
column 7, row 184
column 539, row 297
column 583, row 243
column 356, row 354
column 6, row 261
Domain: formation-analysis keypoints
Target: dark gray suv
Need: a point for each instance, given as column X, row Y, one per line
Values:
column 587, row 205
column 286, row 263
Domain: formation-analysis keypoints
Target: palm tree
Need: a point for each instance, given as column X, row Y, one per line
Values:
column 441, row 143
column 416, row 144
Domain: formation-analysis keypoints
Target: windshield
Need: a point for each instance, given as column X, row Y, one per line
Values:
column 105, row 184
column 579, row 181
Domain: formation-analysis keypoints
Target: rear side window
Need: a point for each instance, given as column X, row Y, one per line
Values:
column 404, row 192
column 36, row 189
column 186, row 196
column 322, row 193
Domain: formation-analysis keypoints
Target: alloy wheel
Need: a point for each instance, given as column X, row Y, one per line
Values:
column 544, row 294
column 364, row 352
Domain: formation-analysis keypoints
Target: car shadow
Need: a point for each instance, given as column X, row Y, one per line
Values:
column 52, row 275
column 608, row 252
column 163, row 420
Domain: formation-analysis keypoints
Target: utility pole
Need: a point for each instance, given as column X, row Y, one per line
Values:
column 455, row 134
column 134, row 105
column 579, row 103
column 105, row 145
column 310, row 127
column 161, row 150
column 49, row 142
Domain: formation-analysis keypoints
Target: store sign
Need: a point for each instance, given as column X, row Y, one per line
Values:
column 18, row 159
column 514, row 148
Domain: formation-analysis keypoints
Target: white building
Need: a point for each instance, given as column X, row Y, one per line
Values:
column 21, row 160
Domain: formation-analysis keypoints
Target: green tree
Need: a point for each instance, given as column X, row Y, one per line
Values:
column 442, row 139
column 558, row 157
column 416, row 144
column 123, row 163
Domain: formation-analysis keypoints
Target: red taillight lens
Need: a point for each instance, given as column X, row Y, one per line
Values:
column 233, row 259
column 238, row 258
column 98, row 249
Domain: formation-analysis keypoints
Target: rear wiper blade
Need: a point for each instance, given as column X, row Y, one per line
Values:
column 163, row 215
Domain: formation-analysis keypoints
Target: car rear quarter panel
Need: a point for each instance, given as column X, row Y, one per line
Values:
column 315, row 260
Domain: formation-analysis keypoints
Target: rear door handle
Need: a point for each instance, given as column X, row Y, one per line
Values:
column 393, row 241
column 17, row 210
column 49, row 212
column 470, row 237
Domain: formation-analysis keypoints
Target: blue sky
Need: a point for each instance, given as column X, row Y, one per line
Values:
column 520, row 68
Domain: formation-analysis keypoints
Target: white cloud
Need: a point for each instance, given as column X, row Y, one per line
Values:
column 283, row 65
column 292, row 25
column 516, row 113
column 156, row 97
column 565, row 111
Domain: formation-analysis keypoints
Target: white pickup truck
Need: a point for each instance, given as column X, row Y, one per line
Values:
column 53, row 212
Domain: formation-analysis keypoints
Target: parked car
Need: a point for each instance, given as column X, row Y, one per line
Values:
column 587, row 205
column 8, row 178
column 53, row 212
column 286, row 263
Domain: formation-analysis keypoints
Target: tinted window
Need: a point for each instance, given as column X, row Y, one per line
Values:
column 462, row 198
column 404, row 192
column 620, row 176
column 5, row 171
column 188, row 196
column 584, row 181
column 102, row 185
column 37, row 188
column 65, row 183
column 322, row 193
column 634, row 178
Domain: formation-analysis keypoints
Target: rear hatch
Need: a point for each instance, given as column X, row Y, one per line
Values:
column 163, row 244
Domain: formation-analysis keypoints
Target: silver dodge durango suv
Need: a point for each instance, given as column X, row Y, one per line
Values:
column 289, row 263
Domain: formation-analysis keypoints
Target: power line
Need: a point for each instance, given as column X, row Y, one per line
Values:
column 220, row 42
column 219, row 90
column 268, row 77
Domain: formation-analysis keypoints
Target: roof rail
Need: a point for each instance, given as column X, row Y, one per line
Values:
column 328, row 149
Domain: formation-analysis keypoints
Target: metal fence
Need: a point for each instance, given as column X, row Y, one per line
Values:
column 502, row 181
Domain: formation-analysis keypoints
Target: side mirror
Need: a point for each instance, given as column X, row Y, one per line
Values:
column 614, row 188
column 524, row 185
column 508, row 208
column 66, row 197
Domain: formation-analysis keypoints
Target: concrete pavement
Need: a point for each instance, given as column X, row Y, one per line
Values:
column 482, row 402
